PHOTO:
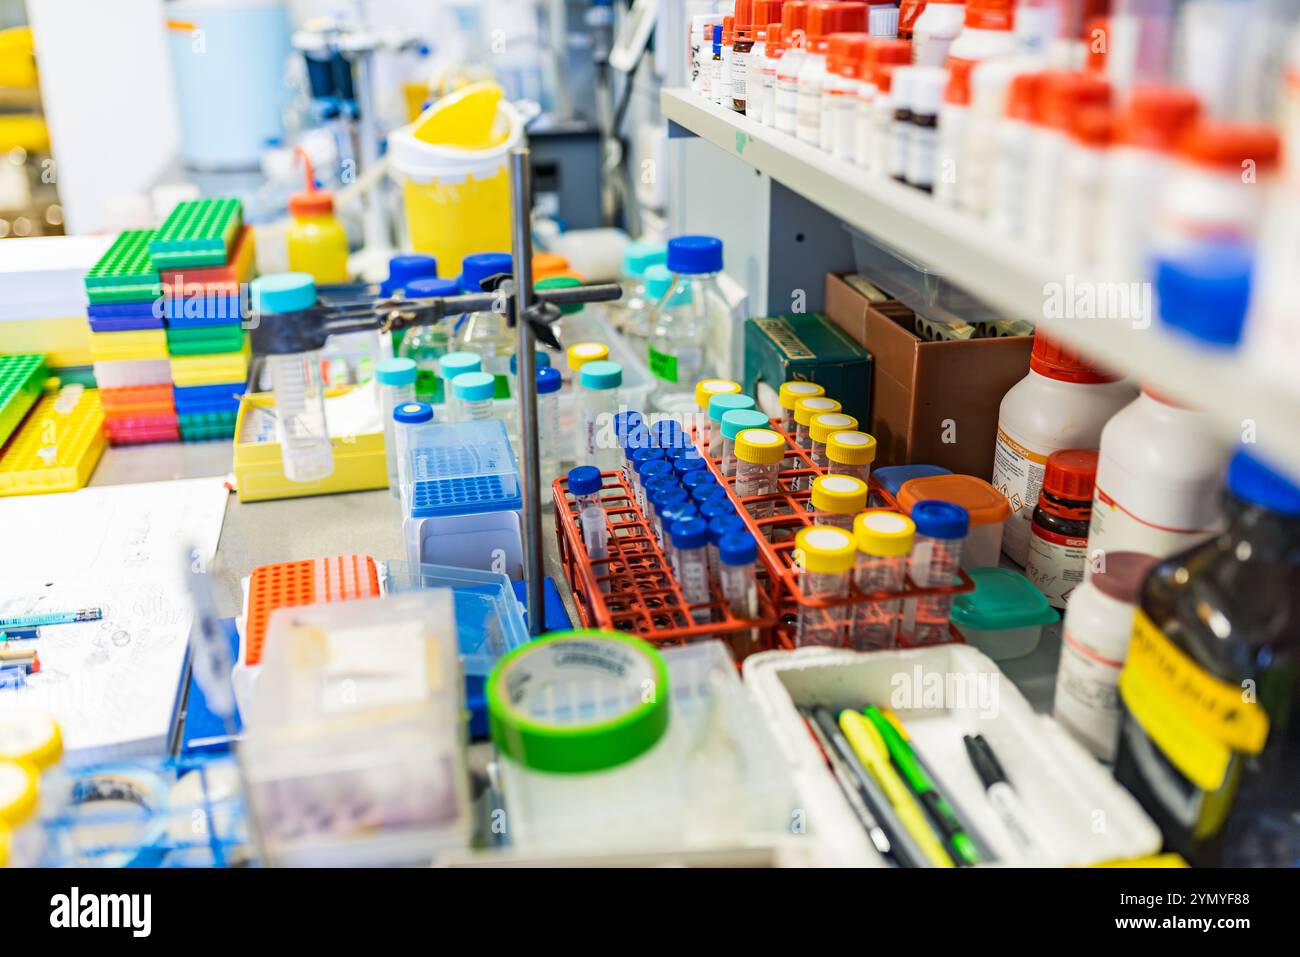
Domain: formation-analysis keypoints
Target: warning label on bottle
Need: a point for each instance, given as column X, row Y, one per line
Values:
column 1018, row 474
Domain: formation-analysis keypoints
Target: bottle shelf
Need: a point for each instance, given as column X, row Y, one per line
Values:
column 1008, row 276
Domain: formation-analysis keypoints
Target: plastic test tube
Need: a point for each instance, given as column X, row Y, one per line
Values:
column 595, row 538
column 625, row 423
column 737, row 553
column 660, row 483
column 789, row 394
column 580, row 353
column 850, row 453
column 584, row 485
column 450, row 366
column 804, row 410
column 541, row 361
column 635, row 439
column 684, row 465
column 719, row 528
column 821, row 428
column 758, row 460
column 475, row 392
column 598, row 401
column 733, row 423
column 407, row 418
column 661, row 499
column 641, row 460
column 704, row 393
column 667, row 434
column 673, row 514
column 719, row 406
column 824, row 557
column 550, row 438
column 396, row 378
column 941, row 528
column 711, row 510
column 837, row 499
column 697, row 478
column 884, row 539
column 690, row 565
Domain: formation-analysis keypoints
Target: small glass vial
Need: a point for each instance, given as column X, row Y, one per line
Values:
column 824, row 557
column 671, row 516
column 738, row 581
column 884, row 539
column 550, row 439
column 721, row 526
column 475, row 393
column 719, row 406
column 584, row 485
column 733, row 423
column 821, row 428
column 407, row 419
column 837, row 499
column 598, row 398
column 941, row 529
column 691, row 566
column 759, row 453
column 715, row 66
column 850, row 453
column 396, row 379
column 789, row 395
column 1058, row 531
column 450, row 366
column 704, row 393
column 651, row 470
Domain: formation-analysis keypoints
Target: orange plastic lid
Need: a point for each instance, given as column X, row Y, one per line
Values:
column 1230, row 146
column 908, row 13
column 794, row 20
column 546, row 265
column 1092, row 127
column 1022, row 95
column 744, row 19
column 825, row 19
column 881, row 51
column 1064, row 93
column 985, row 504
column 311, row 201
column 957, row 91
column 775, row 42
column 1071, row 474
column 766, row 12
column 884, row 76
column 990, row 14
column 728, row 30
column 844, row 55
column 1055, row 361
column 1157, row 117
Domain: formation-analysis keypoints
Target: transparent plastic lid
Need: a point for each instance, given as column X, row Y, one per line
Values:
column 463, row 468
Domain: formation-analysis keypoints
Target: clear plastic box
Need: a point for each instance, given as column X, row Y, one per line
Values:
column 716, row 778
column 355, row 743
column 461, row 468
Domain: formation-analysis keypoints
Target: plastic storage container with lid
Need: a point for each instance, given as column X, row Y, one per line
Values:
column 1004, row 615
column 1063, row 403
column 986, row 506
column 893, row 477
column 1094, row 643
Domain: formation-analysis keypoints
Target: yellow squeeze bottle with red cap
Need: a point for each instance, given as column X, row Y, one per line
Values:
column 317, row 243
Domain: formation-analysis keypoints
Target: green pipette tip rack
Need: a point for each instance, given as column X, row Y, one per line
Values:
column 199, row 232
column 205, row 426
column 205, row 340
column 125, row 273
column 22, row 379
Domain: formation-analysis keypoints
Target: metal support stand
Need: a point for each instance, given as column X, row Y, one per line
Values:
column 521, row 241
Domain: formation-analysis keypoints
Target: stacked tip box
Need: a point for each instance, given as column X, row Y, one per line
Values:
column 205, row 256
column 128, row 343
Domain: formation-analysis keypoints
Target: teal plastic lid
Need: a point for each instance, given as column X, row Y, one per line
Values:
column 397, row 372
column 657, row 282
column 562, row 282
column 639, row 255
column 283, row 292
column 1002, row 599
column 601, row 375
column 720, row 405
column 458, row 363
column 735, row 421
column 474, row 386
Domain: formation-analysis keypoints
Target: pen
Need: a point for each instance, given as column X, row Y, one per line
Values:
column 19, row 634
column 912, row 772
column 51, row 618
column 849, row 786
column 870, row 748
column 1002, row 796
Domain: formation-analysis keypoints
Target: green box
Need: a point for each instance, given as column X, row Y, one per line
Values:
column 812, row 348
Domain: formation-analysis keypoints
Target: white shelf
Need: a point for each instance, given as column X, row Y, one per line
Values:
column 1005, row 274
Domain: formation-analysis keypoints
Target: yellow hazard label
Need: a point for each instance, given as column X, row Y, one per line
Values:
column 1196, row 719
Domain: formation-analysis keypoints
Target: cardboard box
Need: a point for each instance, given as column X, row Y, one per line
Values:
column 931, row 402
column 811, row 348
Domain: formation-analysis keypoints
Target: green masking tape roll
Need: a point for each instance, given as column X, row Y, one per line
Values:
column 578, row 701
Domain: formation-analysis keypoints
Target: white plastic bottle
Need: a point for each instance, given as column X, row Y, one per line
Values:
column 877, row 56
column 900, row 125
column 989, row 82
column 822, row 18
column 928, row 83
column 773, row 48
column 702, row 52
column 1062, row 404
column 728, row 55
column 953, row 114
column 1079, row 224
column 840, row 100
column 934, row 32
column 986, row 31
column 794, row 16
column 1014, row 131
column 753, row 67
column 1094, row 644
column 1147, row 131
column 1159, row 481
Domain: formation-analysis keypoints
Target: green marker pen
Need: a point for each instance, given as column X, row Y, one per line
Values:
column 908, row 766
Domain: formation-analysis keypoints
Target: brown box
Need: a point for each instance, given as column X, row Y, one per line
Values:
column 931, row 402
